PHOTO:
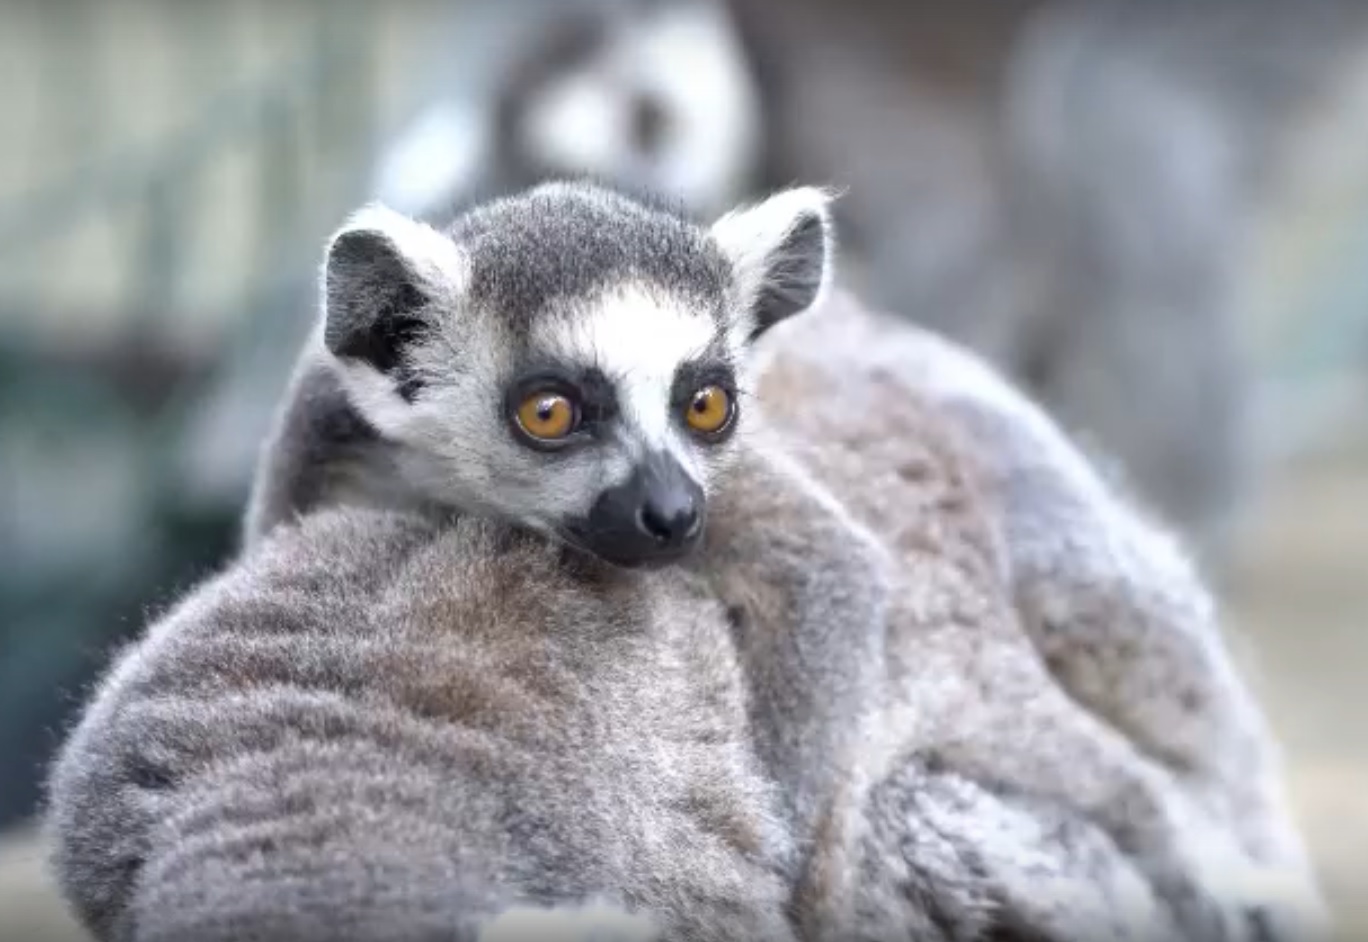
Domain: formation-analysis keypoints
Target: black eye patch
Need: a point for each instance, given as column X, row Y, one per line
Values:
column 693, row 376
column 598, row 396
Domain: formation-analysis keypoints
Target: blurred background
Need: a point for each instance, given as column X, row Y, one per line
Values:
column 1153, row 215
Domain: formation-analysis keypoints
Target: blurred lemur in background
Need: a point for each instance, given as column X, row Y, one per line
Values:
column 1100, row 275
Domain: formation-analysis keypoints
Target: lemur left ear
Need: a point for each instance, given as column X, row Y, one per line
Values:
column 780, row 251
column 381, row 273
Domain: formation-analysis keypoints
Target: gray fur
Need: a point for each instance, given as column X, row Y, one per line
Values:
column 1044, row 637
column 1040, row 871
column 322, row 453
column 560, row 240
column 831, row 627
column 874, row 602
column 374, row 727
column 813, row 573
column 807, row 591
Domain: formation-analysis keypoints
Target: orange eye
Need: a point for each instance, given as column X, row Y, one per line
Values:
column 710, row 410
column 547, row 416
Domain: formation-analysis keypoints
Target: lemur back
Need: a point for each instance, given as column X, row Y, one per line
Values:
column 377, row 726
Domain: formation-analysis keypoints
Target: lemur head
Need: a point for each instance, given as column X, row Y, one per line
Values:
column 568, row 359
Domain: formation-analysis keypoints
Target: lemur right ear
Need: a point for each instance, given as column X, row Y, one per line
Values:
column 780, row 252
column 381, row 273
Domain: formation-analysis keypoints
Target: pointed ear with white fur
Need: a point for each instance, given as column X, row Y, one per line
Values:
column 780, row 251
column 382, row 272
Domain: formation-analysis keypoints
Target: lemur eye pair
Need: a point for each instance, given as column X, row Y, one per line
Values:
column 548, row 416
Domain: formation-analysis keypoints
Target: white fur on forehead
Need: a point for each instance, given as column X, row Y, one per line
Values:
column 432, row 256
column 638, row 337
column 751, row 237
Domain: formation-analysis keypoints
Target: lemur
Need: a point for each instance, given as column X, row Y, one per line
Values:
column 379, row 726
column 575, row 363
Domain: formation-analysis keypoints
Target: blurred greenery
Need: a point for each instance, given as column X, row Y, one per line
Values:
column 108, row 506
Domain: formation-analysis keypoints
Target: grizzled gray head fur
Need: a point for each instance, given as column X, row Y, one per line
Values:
column 568, row 359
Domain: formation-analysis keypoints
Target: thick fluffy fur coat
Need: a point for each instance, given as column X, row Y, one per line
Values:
column 378, row 725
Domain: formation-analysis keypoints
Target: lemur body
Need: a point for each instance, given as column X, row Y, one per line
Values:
column 412, row 396
column 380, row 725
column 376, row 725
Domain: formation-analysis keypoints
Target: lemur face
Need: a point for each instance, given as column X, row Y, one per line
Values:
column 568, row 359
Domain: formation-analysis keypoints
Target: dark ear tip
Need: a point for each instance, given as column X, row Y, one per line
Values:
column 801, row 259
column 372, row 300
column 812, row 222
column 811, row 233
column 358, row 246
column 797, row 269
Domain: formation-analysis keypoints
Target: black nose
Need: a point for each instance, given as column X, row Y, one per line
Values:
column 669, row 517
column 653, row 517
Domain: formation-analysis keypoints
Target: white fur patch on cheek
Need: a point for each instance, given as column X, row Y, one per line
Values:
column 440, row 425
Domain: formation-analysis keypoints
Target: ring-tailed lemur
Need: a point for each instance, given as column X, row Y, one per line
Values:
column 372, row 726
column 445, row 361
column 576, row 363
column 338, row 727
column 545, row 361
